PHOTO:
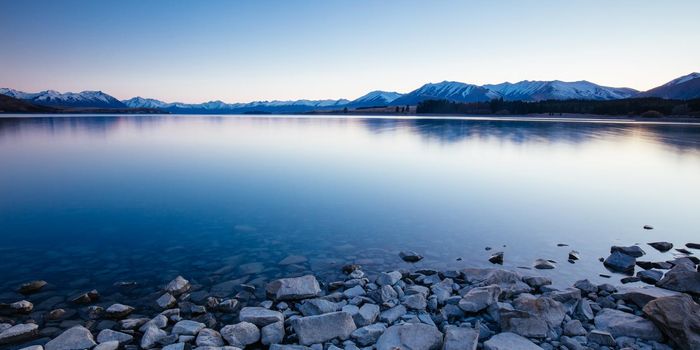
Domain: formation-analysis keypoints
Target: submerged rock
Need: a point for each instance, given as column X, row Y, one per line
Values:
column 294, row 288
column 678, row 317
column 634, row 250
column 410, row 256
column 31, row 287
column 496, row 258
column 413, row 336
column 661, row 246
column 620, row 262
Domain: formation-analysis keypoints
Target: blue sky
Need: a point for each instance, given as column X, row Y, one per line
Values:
column 236, row 51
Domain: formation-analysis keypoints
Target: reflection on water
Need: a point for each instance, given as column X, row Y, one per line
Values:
column 147, row 197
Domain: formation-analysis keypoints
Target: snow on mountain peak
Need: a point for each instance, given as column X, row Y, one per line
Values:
column 683, row 79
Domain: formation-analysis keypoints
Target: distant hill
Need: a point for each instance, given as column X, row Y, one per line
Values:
column 558, row 90
column 85, row 99
column 14, row 105
column 684, row 88
column 446, row 90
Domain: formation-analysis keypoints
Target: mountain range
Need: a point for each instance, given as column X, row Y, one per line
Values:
column 683, row 88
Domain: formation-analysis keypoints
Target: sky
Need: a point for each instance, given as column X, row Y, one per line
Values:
column 241, row 51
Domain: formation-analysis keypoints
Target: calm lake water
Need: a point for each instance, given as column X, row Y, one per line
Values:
column 89, row 201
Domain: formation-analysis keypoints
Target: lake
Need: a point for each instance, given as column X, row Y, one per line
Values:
column 92, row 200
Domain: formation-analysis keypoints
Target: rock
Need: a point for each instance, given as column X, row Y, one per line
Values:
column 510, row 282
column 355, row 291
column 166, row 301
column 350, row 268
column 410, row 336
column 391, row 315
column 181, row 346
column 542, row 264
column 187, row 327
column 311, row 307
column 537, row 281
column 151, row 337
column 368, row 335
column 684, row 251
column 661, row 246
column 479, row 298
column 86, row 298
column 388, row 278
column 574, row 255
column 273, row 333
column 544, row 308
column 509, row 341
column 322, row 328
column 118, row 311
column 209, row 337
column 586, row 286
column 260, row 316
column 650, row 276
column 574, row 328
column 523, row 323
column 693, row 245
column 629, row 279
column 642, row 295
column 107, row 335
column 681, row 279
column 621, row 324
column 288, row 347
column 601, row 338
column 415, row 301
column 178, row 286
column 293, row 259
column 77, row 337
column 31, row 287
column 460, row 338
column 678, row 317
column 410, row 256
column 19, row 333
column 109, row 345
column 22, row 307
column 241, row 334
column 496, row 258
column 367, row 314
column 634, row 250
column 294, row 288
column 620, row 262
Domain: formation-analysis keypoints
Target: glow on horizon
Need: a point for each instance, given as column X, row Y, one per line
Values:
column 191, row 51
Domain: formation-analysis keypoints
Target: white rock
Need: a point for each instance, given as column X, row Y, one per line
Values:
column 321, row 328
column 241, row 334
column 178, row 286
column 77, row 337
column 413, row 336
column 187, row 327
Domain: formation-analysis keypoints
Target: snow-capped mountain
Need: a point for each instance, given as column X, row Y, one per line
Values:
column 140, row 102
column 375, row 98
column 212, row 107
column 85, row 99
column 446, row 90
column 684, row 88
column 558, row 90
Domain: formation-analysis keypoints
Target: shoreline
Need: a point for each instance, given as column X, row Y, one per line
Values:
column 490, row 308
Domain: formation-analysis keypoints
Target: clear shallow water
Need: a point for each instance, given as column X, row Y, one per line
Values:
column 89, row 201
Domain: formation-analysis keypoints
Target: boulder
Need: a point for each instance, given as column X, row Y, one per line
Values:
column 542, row 264
column 480, row 298
column 322, row 328
column 391, row 315
column 19, row 333
column 178, row 286
column 496, row 258
column 601, row 338
column 523, row 323
column 650, row 276
column 187, row 327
column 273, row 333
column 31, row 287
column 410, row 256
column 77, row 337
column 368, row 335
column 109, row 345
column 388, row 278
column 509, row 341
column 366, row 315
column 311, row 307
column 634, row 250
column 107, row 335
column 294, row 288
column 209, row 337
column 260, row 316
column 544, row 308
column 642, row 295
column 241, row 334
column 118, row 311
column 681, row 278
column 460, row 338
column 622, row 324
column 410, row 336
column 620, row 262
column 151, row 337
column 661, row 246
column 166, row 301
column 678, row 317
column 415, row 301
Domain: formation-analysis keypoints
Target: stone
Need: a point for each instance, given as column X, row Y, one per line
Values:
column 273, row 333
column 366, row 315
column 391, row 315
column 544, row 308
column 479, row 298
column 574, row 255
column 574, row 328
column 509, row 341
column 209, row 337
column 629, row 279
column 31, row 287
column 293, row 259
column 496, row 258
column 410, row 336
column 368, row 335
column 19, row 333
column 260, row 316
column 678, row 317
column 586, row 286
column 107, row 335
column 132, row 323
column 229, row 305
column 523, row 323
column 661, row 246
column 542, row 264
column 410, row 256
column 187, row 327
column 109, row 345
column 151, row 337
column 650, row 276
column 537, row 281
column 166, row 301
column 634, row 250
column 460, row 338
column 288, row 347
column 415, row 301
column 86, row 298
column 620, row 324
column 388, row 278
column 251, row 268
column 178, row 286
column 355, row 291
column 693, row 245
column 179, row 346
column 322, row 328
column 241, row 334
column 681, row 279
column 77, row 337
column 620, row 262
column 387, row 294
column 601, row 338
column 118, row 311
column 311, row 307
column 511, row 283
column 294, row 288
column 22, row 307
column 642, row 295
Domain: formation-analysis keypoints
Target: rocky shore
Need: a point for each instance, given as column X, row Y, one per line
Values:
column 418, row 309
